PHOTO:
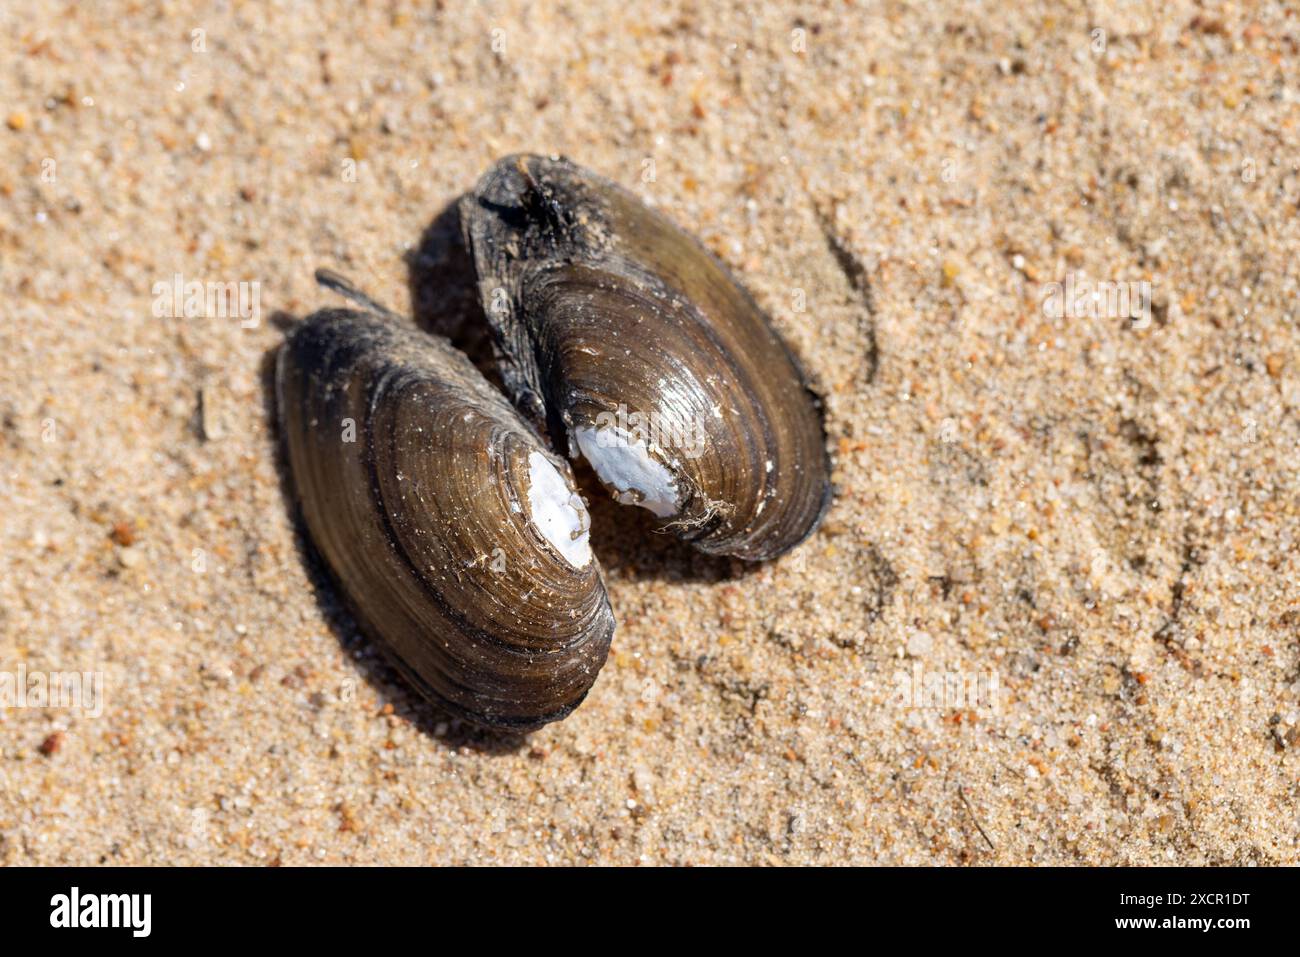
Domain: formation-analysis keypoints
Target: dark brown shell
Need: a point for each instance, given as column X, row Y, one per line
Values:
column 424, row 520
column 600, row 304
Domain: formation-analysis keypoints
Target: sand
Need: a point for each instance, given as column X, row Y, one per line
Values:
column 1089, row 520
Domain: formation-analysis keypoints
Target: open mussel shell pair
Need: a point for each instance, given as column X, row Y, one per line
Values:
column 456, row 534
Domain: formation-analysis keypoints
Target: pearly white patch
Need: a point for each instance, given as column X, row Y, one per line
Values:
column 627, row 466
column 557, row 511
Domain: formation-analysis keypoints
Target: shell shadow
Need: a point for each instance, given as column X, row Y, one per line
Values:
column 444, row 295
column 369, row 656
column 631, row 548
column 445, row 302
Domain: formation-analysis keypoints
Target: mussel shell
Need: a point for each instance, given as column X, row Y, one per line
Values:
column 424, row 520
column 602, row 306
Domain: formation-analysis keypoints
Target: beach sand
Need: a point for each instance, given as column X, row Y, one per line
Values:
column 1089, row 521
